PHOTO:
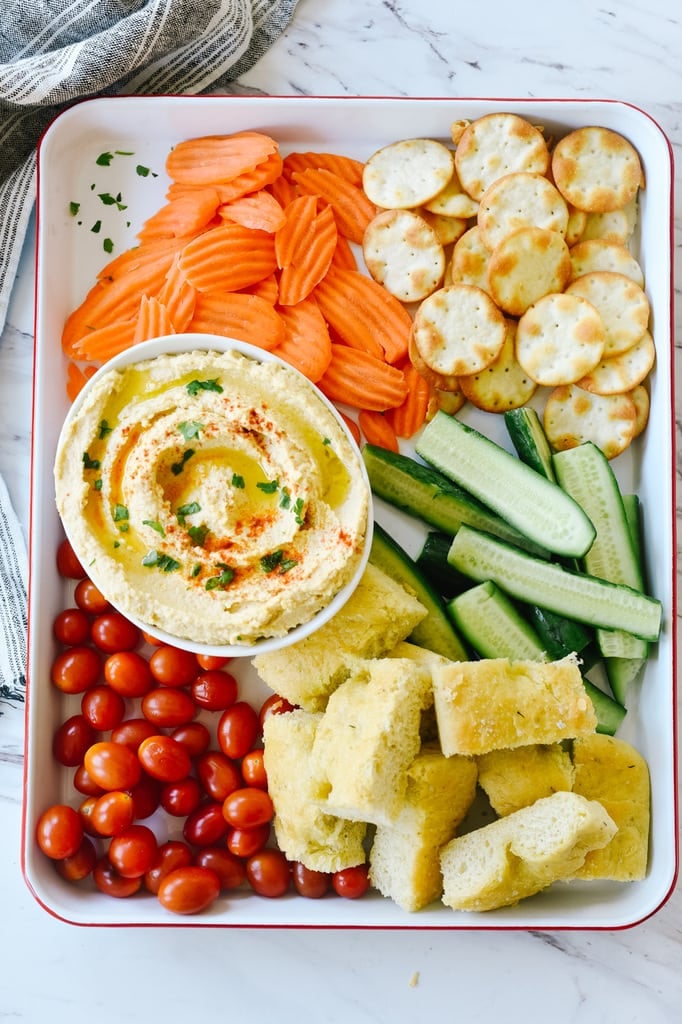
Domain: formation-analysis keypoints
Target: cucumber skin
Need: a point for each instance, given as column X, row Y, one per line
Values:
column 432, row 560
column 530, row 441
column 436, row 631
column 507, row 485
column 610, row 713
column 492, row 626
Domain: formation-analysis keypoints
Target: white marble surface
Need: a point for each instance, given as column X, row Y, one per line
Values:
column 52, row 971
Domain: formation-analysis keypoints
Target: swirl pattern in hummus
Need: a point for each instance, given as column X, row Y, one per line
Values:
column 212, row 495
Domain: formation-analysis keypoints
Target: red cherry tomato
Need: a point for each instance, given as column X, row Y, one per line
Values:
column 247, row 808
column 128, row 673
column 243, row 842
column 212, row 661
column 182, row 797
column 274, row 705
column 194, row 737
column 103, row 708
column 230, row 870
column 85, row 812
column 84, row 784
column 172, row 666
column 237, row 730
column 80, row 864
column 132, row 731
column 76, row 669
column 68, row 564
column 214, row 690
column 309, row 883
column 253, row 769
column 89, row 598
column 153, row 641
column 112, row 632
column 219, row 774
column 59, row 831
column 113, row 812
column 112, row 766
column 71, row 740
column 169, row 856
column 269, row 873
column 164, row 758
column 133, row 851
column 167, row 707
column 205, row 826
column 189, row 890
column 72, row 627
column 108, row 880
column 351, row 882
column 146, row 796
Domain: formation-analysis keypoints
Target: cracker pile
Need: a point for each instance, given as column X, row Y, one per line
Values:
column 514, row 251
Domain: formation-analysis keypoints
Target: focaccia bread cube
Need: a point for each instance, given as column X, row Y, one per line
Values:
column 512, row 779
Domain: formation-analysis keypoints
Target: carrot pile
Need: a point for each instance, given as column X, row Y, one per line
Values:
column 259, row 247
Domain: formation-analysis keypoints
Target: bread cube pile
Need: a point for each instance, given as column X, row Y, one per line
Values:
column 390, row 748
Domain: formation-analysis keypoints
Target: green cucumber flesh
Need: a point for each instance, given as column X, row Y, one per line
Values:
column 585, row 598
column 531, row 503
column 492, row 626
column 529, row 439
column 609, row 712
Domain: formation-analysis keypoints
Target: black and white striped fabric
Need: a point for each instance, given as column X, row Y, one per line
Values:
column 56, row 52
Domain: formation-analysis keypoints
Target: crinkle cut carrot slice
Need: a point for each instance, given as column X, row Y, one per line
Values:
column 283, row 191
column 293, row 237
column 153, row 320
column 344, row 257
column 409, row 417
column 298, row 278
column 267, row 289
column 352, row 209
column 76, row 378
column 102, row 344
column 178, row 296
column 377, row 428
column 212, row 159
column 359, row 379
column 228, row 258
column 352, row 426
column 137, row 256
column 345, row 166
column 306, row 345
column 251, row 181
column 182, row 217
column 363, row 313
column 248, row 318
column 258, row 210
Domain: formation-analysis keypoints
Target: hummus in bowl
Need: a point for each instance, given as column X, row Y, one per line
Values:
column 213, row 494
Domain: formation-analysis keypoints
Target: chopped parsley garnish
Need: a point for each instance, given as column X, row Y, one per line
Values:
column 299, row 509
column 104, row 429
column 155, row 560
column 198, row 534
column 326, row 440
column 190, row 429
column 90, row 463
column 144, row 172
column 74, row 208
column 285, row 499
column 187, row 510
column 195, row 386
column 196, row 568
column 155, row 525
column 268, row 486
column 238, row 481
column 96, row 227
column 276, row 561
column 177, row 467
column 109, row 200
column 223, row 579
column 104, row 159
column 108, row 245
column 120, row 513
column 98, row 484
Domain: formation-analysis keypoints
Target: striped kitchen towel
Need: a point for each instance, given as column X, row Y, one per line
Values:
column 13, row 605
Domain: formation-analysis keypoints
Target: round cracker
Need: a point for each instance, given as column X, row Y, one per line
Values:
column 621, row 303
column 559, row 339
column 520, row 200
column 577, row 220
column 596, row 169
column 614, row 226
column 503, row 385
column 447, row 229
column 402, row 252
column 453, row 201
column 469, row 262
column 498, row 144
column 458, row 330
column 622, row 372
column 600, row 254
column 642, row 401
column 407, row 173
column 444, row 401
column 573, row 416
column 443, row 382
column 525, row 266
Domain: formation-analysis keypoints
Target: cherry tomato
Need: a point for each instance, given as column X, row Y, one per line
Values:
column 243, row 842
column 108, row 880
column 189, row 890
column 84, row 784
column 172, row 666
column 153, row 641
column 182, row 797
column 218, row 773
column 85, row 812
column 268, row 873
column 72, row 627
column 112, row 766
column 128, row 673
column 206, row 825
column 212, row 661
column 247, row 808
column 132, row 731
column 80, row 864
column 112, row 632
column 89, row 598
column 133, row 851
column 214, row 690
column 274, row 705
column 103, row 708
column 113, row 812
column 253, row 769
column 68, row 564
column 76, row 669
column 237, row 730
column 59, row 831
column 164, row 758
column 351, row 882
column 169, row 856
column 71, row 740
column 309, row 883
column 194, row 737
column 146, row 796
column 167, row 707
column 230, row 870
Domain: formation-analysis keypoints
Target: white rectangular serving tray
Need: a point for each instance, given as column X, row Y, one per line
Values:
column 68, row 256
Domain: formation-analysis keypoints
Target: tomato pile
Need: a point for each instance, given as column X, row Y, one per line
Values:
column 138, row 746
